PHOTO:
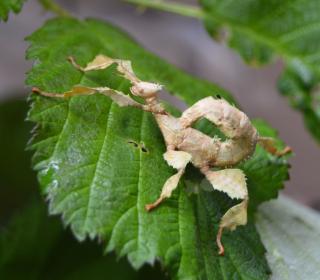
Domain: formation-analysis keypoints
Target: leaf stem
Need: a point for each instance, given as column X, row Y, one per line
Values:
column 55, row 8
column 180, row 9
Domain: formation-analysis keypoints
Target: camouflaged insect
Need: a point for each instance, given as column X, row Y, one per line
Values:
column 186, row 144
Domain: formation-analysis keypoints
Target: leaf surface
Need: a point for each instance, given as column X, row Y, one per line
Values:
column 8, row 6
column 291, row 232
column 100, row 182
column 47, row 251
column 32, row 245
column 262, row 30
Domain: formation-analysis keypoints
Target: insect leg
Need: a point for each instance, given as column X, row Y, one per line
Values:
column 139, row 88
column 76, row 90
column 179, row 161
column 101, row 62
column 118, row 97
column 98, row 63
column 233, row 183
column 268, row 143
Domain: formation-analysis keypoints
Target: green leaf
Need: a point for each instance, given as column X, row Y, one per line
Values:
column 32, row 245
column 291, row 232
column 100, row 182
column 47, row 251
column 260, row 30
column 7, row 6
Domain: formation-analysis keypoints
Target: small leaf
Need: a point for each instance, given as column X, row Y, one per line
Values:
column 260, row 30
column 91, row 166
column 7, row 6
column 291, row 232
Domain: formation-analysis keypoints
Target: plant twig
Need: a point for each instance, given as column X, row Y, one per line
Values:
column 180, row 9
column 54, row 7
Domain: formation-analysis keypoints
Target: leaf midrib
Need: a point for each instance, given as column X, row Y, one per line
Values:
column 139, row 182
column 97, row 167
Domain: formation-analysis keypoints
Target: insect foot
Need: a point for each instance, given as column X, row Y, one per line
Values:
column 179, row 161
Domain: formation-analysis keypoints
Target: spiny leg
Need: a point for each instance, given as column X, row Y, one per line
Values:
column 269, row 144
column 124, row 67
column 140, row 88
column 233, row 183
column 76, row 90
column 73, row 62
column 118, row 97
column 179, row 161
column 101, row 62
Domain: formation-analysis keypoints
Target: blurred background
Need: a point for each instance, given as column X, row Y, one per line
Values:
column 185, row 43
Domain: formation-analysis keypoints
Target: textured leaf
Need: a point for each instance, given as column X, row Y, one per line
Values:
column 7, row 6
column 100, row 182
column 291, row 232
column 45, row 250
column 260, row 30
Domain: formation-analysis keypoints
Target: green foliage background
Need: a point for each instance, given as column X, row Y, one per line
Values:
column 7, row 6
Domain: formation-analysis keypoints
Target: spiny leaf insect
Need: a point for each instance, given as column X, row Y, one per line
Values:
column 186, row 144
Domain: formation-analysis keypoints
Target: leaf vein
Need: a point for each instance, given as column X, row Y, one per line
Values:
column 87, row 214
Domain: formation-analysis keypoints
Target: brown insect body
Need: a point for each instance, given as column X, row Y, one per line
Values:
column 207, row 151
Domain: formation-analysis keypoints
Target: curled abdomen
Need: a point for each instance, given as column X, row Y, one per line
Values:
column 235, row 125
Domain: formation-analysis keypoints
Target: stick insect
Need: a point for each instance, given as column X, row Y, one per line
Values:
column 186, row 144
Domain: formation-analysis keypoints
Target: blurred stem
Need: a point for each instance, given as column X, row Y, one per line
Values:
column 180, row 9
column 54, row 7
